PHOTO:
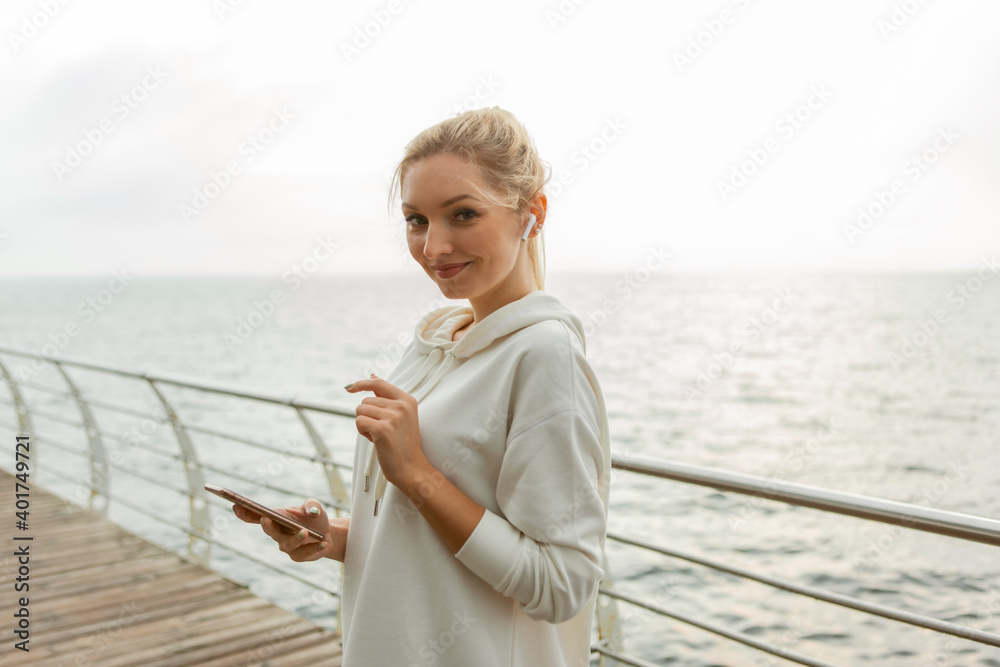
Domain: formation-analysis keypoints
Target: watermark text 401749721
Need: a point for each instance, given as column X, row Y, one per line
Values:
column 22, row 543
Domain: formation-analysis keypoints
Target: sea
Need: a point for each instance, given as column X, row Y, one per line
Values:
column 882, row 384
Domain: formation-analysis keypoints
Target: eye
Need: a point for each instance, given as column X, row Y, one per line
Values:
column 415, row 220
column 466, row 214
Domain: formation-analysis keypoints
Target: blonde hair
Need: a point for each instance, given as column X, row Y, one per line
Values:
column 500, row 146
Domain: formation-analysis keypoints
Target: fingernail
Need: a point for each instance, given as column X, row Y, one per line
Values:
column 321, row 546
column 313, row 510
column 262, row 520
column 300, row 535
column 348, row 386
column 373, row 375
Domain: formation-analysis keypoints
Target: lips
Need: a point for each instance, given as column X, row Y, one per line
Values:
column 449, row 270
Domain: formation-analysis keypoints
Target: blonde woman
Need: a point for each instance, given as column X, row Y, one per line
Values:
column 480, row 488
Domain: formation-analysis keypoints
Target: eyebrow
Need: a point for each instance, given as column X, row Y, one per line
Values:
column 448, row 202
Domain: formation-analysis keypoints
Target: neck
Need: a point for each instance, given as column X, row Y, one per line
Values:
column 518, row 284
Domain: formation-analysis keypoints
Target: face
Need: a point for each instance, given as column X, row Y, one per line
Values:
column 470, row 248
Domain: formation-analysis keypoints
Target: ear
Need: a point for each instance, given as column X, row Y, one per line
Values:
column 539, row 206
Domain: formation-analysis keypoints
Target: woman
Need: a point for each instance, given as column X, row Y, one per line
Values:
column 480, row 489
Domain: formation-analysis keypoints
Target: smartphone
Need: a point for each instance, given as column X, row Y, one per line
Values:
column 257, row 508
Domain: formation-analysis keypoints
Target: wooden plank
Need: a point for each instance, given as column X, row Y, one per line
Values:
column 282, row 646
column 103, row 596
column 153, row 639
column 235, row 635
column 114, row 616
column 83, row 610
column 316, row 655
column 133, row 563
column 184, row 576
column 241, row 648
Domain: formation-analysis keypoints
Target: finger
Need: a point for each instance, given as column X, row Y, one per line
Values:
column 381, row 388
column 373, row 411
column 317, row 520
column 243, row 514
column 377, row 401
column 309, row 552
column 367, row 427
column 295, row 543
column 275, row 531
column 313, row 509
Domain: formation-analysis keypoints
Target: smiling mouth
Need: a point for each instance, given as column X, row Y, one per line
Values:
column 449, row 270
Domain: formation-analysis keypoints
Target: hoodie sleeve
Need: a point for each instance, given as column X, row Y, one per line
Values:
column 544, row 548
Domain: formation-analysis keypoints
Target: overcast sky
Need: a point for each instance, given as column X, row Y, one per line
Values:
column 227, row 136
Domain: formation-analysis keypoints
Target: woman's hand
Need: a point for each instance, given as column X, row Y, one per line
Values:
column 389, row 420
column 304, row 548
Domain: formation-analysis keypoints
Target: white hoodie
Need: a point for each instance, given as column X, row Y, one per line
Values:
column 513, row 415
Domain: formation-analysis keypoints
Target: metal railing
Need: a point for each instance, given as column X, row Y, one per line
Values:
column 610, row 644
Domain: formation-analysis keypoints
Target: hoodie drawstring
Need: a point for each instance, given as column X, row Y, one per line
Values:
column 434, row 338
column 434, row 358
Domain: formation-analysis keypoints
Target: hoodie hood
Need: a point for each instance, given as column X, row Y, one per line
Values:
column 438, row 354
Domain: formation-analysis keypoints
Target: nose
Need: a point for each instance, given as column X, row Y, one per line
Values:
column 437, row 241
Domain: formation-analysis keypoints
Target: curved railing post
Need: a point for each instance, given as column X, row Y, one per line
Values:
column 199, row 550
column 100, row 473
column 609, row 630
column 337, row 488
column 23, row 416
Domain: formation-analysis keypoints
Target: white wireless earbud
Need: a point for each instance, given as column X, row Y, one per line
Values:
column 527, row 228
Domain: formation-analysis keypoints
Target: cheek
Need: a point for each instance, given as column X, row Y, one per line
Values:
column 416, row 246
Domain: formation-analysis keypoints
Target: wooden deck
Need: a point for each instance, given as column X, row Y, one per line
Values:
column 103, row 597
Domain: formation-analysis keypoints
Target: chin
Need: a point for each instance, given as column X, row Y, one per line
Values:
column 449, row 289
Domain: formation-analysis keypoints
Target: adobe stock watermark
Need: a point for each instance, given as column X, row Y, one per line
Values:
column 796, row 460
column 433, row 649
column 913, row 169
column 633, row 617
column 259, row 655
column 900, row 15
column 957, row 472
column 483, row 90
column 753, row 329
column 467, row 449
column 247, row 150
column 275, row 467
column 561, row 12
column 262, row 309
column 954, row 645
column 98, row 641
column 121, row 108
column 365, row 34
column 135, row 436
column 393, row 349
column 585, row 155
column 223, row 7
column 87, row 310
column 464, row 449
column 624, row 288
column 586, row 500
column 786, row 127
column 32, row 25
column 712, row 29
column 965, row 291
column 304, row 606
column 790, row 637
column 222, row 522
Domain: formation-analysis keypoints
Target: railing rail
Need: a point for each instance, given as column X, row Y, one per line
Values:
column 916, row 517
column 611, row 642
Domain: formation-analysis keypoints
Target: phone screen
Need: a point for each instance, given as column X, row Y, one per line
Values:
column 257, row 508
